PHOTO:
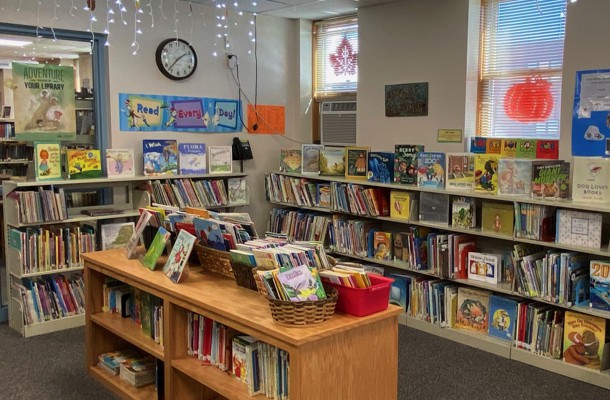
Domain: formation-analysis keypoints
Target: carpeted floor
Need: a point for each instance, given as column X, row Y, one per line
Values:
column 52, row 367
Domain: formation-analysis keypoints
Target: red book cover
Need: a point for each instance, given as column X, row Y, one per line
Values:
column 547, row 149
column 462, row 245
column 195, row 329
column 207, row 339
column 64, row 293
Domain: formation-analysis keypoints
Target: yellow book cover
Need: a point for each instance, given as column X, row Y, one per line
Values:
column 84, row 164
column 356, row 159
column 493, row 146
column 498, row 217
column 382, row 246
column 202, row 212
column 584, row 341
column 472, row 310
column 485, row 173
column 400, row 205
column 509, row 148
column 460, row 171
column 47, row 160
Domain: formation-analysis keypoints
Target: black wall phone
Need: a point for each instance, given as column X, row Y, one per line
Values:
column 242, row 149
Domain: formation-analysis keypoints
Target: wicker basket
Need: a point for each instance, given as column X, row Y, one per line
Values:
column 243, row 275
column 215, row 261
column 260, row 286
column 301, row 313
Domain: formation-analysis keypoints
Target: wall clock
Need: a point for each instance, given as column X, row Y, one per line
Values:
column 176, row 59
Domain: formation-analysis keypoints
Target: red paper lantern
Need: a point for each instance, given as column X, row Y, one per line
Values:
column 530, row 101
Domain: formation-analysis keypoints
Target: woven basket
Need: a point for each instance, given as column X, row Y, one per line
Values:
column 260, row 286
column 215, row 261
column 301, row 313
column 243, row 275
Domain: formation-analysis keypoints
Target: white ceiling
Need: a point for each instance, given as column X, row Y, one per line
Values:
column 41, row 49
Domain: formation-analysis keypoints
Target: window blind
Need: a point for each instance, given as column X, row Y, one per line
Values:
column 521, row 60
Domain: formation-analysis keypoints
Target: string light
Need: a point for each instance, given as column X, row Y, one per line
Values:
column 55, row 18
column 161, row 8
column 72, row 8
column 122, row 10
column 191, row 17
column 152, row 16
column 136, row 27
column 176, row 20
column 109, row 20
column 92, row 19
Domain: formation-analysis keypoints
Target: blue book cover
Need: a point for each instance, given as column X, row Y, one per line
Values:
column 599, row 296
column 502, row 317
column 210, row 234
column 160, row 157
column 478, row 145
column 399, row 290
column 431, row 169
column 381, row 166
column 192, row 157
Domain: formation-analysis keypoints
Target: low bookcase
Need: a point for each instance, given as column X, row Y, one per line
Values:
column 343, row 358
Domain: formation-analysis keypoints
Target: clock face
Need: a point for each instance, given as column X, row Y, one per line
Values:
column 176, row 59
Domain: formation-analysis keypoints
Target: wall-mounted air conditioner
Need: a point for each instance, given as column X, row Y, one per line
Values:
column 338, row 123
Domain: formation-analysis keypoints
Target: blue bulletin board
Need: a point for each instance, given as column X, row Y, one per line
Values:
column 591, row 114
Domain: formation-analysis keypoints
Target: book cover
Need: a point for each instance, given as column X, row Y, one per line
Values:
column 301, row 284
column 115, row 236
column 209, row 232
column 178, row 257
column 400, row 208
column 434, row 207
column 502, row 317
column 547, row 149
column 220, row 159
column 431, row 169
column 120, row 162
column 356, row 158
column 132, row 245
column 405, row 163
column 599, row 288
column 484, row 267
column 160, row 157
column 84, row 164
column 584, row 340
column 323, row 195
column 460, row 171
column 472, row 310
column 192, row 158
column 381, row 166
column 310, row 158
column 155, row 249
column 514, row 176
column 47, row 160
column 382, row 246
column 399, row 290
column 290, row 160
column 509, row 148
column 551, row 179
column 478, row 145
column 485, row 173
column 590, row 181
column 578, row 228
column 493, row 146
column 526, row 148
column 401, row 246
column 463, row 212
column 332, row 161
column 237, row 191
column 498, row 217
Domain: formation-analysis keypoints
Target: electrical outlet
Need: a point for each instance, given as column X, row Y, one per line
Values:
column 231, row 61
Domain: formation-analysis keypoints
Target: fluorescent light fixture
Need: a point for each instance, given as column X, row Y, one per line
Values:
column 14, row 43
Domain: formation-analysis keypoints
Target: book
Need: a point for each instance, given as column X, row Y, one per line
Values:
column 526, row 148
column 547, row 149
column 551, row 179
column 502, row 317
column 509, row 148
column 485, row 176
column 220, row 159
column 174, row 267
column 332, row 161
column 431, row 169
column 399, row 290
column 401, row 247
column 84, row 164
column 579, row 228
column 463, row 212
column 514, row 176
column 356, row 159
column 209, row 233
column 237, row 191
column 472, row 310
column 382, row 243
column 400, row 205
column 405, row 163
column 120, row 162
column 47, row 160
column 160, row 157
column 301, row 284
column 239, row 356
column 290, row 160
column 192, row 158
column 381, row 166
column 460, row 171
column 498, row 217
column 590, row 180
column 493, row 145
column 584, row 341
column 155, row 249
column 478, row 145
column 323, row 195
column 115, row 236
column 130, row 249
column 434, row 207
column 599, row 287
column 484, row 267
column 310, row 158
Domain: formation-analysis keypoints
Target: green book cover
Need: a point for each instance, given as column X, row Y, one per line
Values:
column 156, row 249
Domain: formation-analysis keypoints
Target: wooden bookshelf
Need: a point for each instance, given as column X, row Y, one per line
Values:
column 318, row 356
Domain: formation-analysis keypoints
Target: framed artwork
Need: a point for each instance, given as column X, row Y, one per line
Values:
column 406, row 100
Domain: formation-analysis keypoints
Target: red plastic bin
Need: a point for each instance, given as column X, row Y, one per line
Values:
column 361, row 302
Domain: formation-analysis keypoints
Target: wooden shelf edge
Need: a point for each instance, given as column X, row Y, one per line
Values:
column 123, row 389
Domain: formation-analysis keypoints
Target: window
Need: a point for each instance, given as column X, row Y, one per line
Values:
column 335, row 57
column 521, row 60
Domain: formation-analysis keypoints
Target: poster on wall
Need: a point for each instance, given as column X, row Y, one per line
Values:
column 406, row 100
column 43, row 98
column 269, row 119
column 591, row 114
column 144, row 112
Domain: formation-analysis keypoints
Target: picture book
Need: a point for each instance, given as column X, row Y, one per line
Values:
column 514, row 176
column 463, row 212
column 382, row 246
column 434, row 207
column 381, row 166
column 400, row 205
column 551, row 179
column 478, row 145
column 526, row 148
column 578, row 228
column 220, row 159
column 174, row 267
column 547, row 149
column 192, row 158
column 400, row 290
column 460, row 171
column 156, row 248
column 431, row 169
column 599, row 288
column 584, row 341
column 323, row 195
column 405, row 163
column 498, row 217
column 310, row 158
column 509, row 148
column 160, row 157
column 115, row 236
column 135, row 238
column 210, row 234
column 485, row 173
column 47, row 160
column 240, row 356
column 590, row 180
column 301, row 284
column 493, row 145
column 290, row 160
column 356, row 158
column 237, row 191
column 502, row 317
column 484, row 267
column 332, row 161
column 472, row 310
column 84, row 164
column 401, row 246
column 119, row 163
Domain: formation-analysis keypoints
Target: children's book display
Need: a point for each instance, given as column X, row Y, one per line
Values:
column 585, row 341
column 485, row 173
column 332, row 161
column 192, row 158
column 498, row 217
column 156, row 248
column 120, row 163
column 47, row 160
column 551, row 179
column 174, row 268
column 599, row 296
column 431, row 169
column 237, row 191
column 463, row 212
column 460, row 171
column 136, row 237
column 160, row 157
column 514, row 176
column 502, row 317
column 84, row 164
column 591, row 177
column 472, row 310
column 310, row 158
column 356, row 160
column 484, row 267
column 381, row 166
column 220, row 159
column 405, row 163
column 116, row 236
column 290, row 160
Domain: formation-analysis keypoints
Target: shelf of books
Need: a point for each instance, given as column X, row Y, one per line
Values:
column 505, row 254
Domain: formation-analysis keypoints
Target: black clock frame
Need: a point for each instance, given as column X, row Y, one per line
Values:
column 158, row 59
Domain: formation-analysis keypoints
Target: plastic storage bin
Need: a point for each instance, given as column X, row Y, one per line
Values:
column 361, row 302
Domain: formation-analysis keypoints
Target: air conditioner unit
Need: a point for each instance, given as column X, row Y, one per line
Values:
column 338, row 123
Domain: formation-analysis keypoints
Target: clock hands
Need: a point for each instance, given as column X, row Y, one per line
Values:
column 176, row 60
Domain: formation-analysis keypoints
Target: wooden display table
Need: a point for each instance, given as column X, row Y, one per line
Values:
column 343, row 358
